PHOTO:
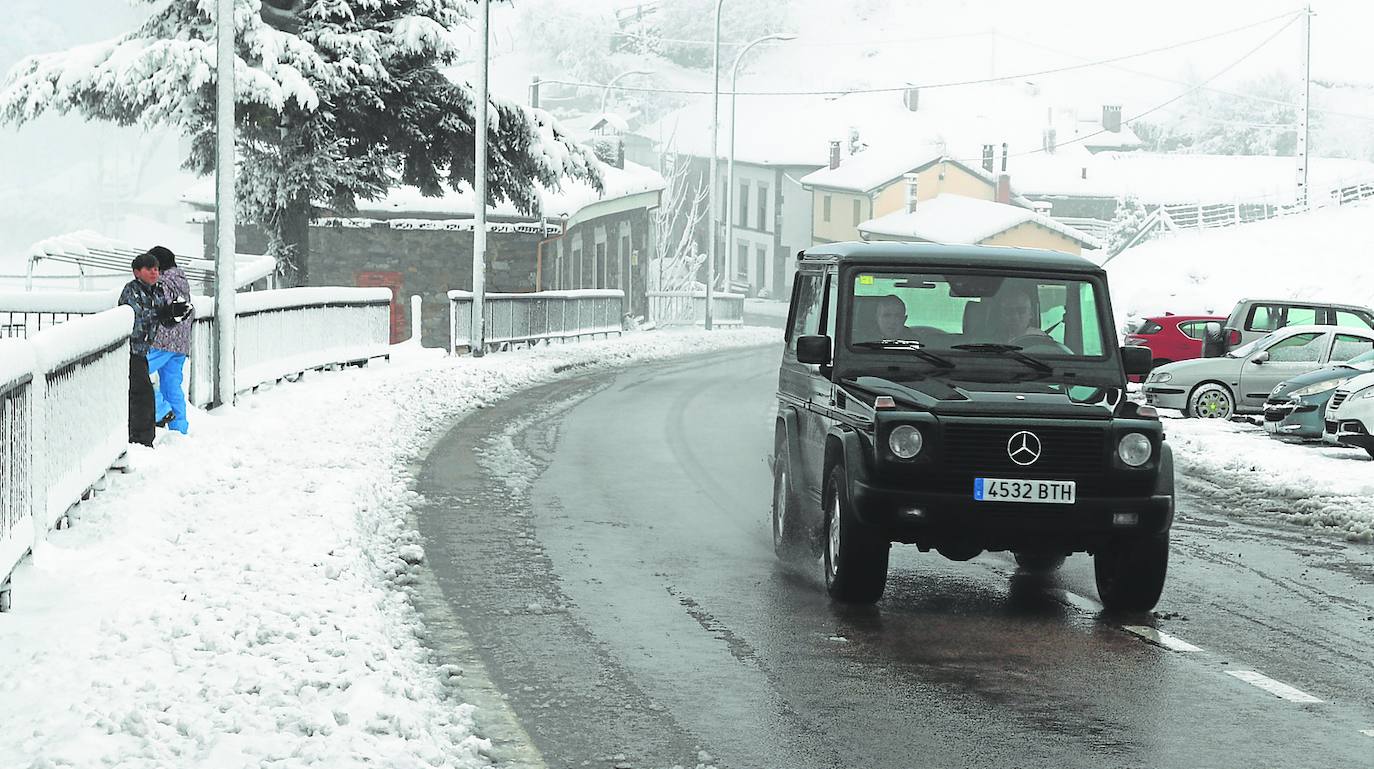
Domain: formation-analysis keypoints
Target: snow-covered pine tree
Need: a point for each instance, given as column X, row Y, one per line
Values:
column 338, row 100
column 1126, row 223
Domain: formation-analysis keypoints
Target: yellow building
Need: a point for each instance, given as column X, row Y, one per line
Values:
column 876, row 182
column 951, row 218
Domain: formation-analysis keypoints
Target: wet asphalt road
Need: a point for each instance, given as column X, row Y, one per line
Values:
column 604, row 544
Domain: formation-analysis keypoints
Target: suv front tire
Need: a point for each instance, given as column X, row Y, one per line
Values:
column 855, row 556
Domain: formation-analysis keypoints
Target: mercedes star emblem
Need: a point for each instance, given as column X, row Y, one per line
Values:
column 1024, row 448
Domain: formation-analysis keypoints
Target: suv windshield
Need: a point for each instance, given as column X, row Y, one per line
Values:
column 976, row 314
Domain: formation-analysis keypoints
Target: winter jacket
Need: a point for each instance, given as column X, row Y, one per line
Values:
column 145, row 301
column 175, row 338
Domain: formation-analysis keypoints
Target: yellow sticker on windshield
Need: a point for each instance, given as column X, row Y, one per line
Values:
column 865, row 280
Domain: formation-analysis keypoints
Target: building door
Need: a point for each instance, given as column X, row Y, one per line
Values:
column 395, row 282
column 760, row 269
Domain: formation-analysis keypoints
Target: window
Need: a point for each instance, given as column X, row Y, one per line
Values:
column 575, row 264
column 764, row 222
column 858, row 211
column 806, row 309
column 600, row 276
column 1147, row 328
column 825, row 208
column 742, row 261
column 1299, row 348
column 1263, row 318
column 1271, row 317
column 743, row 204
column 1353, row 319
column 1301, row 316
column 761, row 267
column 1348, row 346
column 1194, row 329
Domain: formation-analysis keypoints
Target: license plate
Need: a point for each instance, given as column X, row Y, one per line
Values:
column 1151, row 399
column 1021, row 490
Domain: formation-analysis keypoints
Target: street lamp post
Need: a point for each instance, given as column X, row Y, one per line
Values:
column 711, row 195
column 607, row 92
column 225, row 218
column 730, row 267
column 477, row 341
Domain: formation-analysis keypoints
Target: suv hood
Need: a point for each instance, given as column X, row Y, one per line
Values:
column 1025, row 399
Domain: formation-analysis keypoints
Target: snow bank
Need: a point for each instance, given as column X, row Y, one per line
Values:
column 1318, row 255
column 240, row 598
column 64, row 343
column 1237, row 466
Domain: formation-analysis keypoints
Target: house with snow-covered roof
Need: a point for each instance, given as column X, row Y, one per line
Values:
column 415, row 244
column 954, row 218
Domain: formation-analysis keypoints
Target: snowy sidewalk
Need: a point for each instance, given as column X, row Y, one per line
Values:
column 235, row 601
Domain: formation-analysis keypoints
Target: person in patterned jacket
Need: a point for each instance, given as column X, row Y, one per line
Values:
column 172, row 342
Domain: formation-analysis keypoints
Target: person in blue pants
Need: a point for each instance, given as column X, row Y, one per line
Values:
column 171, row 345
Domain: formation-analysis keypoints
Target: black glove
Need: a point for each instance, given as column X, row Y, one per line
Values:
column 172, row 313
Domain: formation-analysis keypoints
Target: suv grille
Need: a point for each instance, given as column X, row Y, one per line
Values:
column 1338, row 398
column 1071, row 451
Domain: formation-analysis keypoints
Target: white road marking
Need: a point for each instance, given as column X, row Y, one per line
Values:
column 1367, row 732
column 1079, row 602
column 1268, row 684
column 1161, row 638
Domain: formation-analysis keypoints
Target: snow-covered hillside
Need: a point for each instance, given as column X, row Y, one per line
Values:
column 1319, row 255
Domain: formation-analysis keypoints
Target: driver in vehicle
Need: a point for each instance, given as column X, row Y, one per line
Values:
column 890, row 317
column 1017, row 317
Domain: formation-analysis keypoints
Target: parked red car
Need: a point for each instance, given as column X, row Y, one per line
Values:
column 1172, row 337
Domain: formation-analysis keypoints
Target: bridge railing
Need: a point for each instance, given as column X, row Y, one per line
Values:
column 63, row 423
column 686, row 308
column 542, row 316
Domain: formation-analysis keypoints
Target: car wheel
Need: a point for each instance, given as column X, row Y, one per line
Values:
column 1130, row 573
column 1038, row 563
column 855, row 556
column 787, row 526
column 1370, row 451
column 1211, row 401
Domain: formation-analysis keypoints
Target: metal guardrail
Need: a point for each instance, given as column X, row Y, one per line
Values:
column 63, row 423
column 541, row 316
column 686, row 308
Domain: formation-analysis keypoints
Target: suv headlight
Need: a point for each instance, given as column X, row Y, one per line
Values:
column 1161, row 377
column 1367, row 392
column 905, row 441
column 1319, row 388
column 1134, row 449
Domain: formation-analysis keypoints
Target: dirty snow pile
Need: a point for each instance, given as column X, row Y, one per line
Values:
column 239, row 599
column 1237, row 466
column 1317, row 255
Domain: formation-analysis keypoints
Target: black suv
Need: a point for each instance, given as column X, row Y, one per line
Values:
column 965, row 398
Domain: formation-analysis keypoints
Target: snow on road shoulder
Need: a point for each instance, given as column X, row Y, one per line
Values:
column 237, row 599
column 1239, row 467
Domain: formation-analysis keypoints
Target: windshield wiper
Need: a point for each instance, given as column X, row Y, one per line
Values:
column 910, row 345
column 1009, row 350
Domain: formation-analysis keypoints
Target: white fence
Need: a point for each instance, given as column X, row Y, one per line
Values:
column 63, row 423
column 679, row 308
column 542, row 316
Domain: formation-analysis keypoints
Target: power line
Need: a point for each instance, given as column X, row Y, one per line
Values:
column 809, row 43
column 1175, row 81
column 1162, row 105
column 1291, row 16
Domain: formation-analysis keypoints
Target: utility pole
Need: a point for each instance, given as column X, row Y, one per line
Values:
column 225, row 216
column 1303, row 200
column 477, row 336
column 712, row 196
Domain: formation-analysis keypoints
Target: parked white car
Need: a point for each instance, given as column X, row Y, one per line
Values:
column 1350, row 414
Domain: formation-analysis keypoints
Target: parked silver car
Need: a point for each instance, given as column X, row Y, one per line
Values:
column 1239, row 381
column 1350, row 414
column 1251, row 319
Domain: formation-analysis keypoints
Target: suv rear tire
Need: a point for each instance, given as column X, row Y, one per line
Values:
column 855, row 556
column 788, row 535
column 1038, row 563
column 1130, row 573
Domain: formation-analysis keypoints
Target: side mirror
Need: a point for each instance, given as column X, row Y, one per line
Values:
column 814, row 349
column 1138, row 361
column 1260, row 357
column 1213, row 340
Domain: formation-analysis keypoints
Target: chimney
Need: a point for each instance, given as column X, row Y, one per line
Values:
column 1004, row 188
column 1004, row 157
column 835, row 154
column 911, row 97
column 1050, row 139
column 911, row 182
column 988, row 158
column 1111, row 117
